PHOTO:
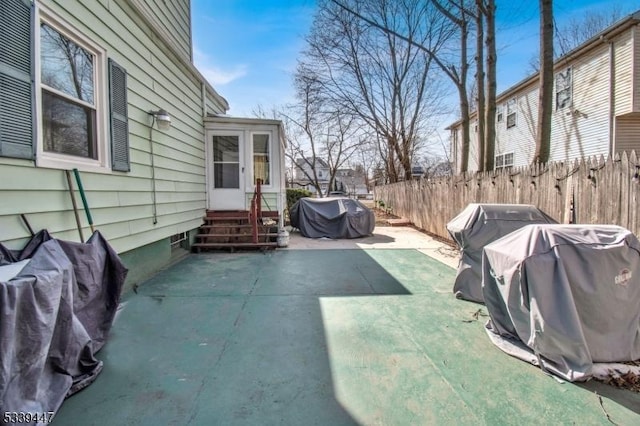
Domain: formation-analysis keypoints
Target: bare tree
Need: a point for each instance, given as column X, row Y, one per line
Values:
column 317, row 136
column 545, row 102
column 458, row 13
column 578, row 30
column 479, row 18
column 375, row 76
column 488, row 9
column 435, row 167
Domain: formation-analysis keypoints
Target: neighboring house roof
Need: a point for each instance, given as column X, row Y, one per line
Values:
column 592, row 43
column 301, row 162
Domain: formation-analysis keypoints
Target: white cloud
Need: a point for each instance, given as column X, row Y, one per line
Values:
column 219, row 77
column 216, row 75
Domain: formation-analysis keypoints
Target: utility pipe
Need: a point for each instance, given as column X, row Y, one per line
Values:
column 153, row 172
column 612, row 94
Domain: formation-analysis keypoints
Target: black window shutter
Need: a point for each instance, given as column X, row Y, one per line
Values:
column 118, row 117
column 16, row 79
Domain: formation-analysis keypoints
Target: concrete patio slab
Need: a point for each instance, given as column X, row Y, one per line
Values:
column 326, row 337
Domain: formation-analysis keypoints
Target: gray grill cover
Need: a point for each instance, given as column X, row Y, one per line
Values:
column 478, row 225
column 570, row 293
column 332, row 218
column 55, row 316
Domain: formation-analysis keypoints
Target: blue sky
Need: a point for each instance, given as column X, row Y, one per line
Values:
column 248, row 48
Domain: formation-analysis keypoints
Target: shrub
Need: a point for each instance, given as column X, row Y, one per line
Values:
column 293, row 195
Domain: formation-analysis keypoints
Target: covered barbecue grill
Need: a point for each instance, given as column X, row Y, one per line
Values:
column 478, row 225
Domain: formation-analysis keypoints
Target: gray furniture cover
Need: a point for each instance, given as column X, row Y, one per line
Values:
column 56, row 312
column 475, row 227
column 569, row 294
column 332, row 218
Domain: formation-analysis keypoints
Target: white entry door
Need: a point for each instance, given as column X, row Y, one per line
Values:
column 226, row 165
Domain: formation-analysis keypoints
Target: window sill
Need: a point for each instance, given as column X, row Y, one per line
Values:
column 67, row 163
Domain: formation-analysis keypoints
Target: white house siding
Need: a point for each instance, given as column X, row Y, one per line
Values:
column 624, row 76
column 628, row 133
column 636, row 68
column 519, row 139
column 474, row 158
column 583, row 129
column 121, row 203
column 172, row 18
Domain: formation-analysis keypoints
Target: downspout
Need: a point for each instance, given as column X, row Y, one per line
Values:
column 204, row 144
column 612, row 101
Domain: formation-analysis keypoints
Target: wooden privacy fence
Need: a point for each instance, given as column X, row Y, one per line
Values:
column 590, row 191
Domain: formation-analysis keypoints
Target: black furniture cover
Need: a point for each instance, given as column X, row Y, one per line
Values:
column 57, row 303
column 332, row 218
column 567, row 294
column 475, row 227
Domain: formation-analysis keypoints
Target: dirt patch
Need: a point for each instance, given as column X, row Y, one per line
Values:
column 382, row 217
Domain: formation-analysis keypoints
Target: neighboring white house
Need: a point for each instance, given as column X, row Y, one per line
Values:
column 303, row 170
column 346, row 180
column 354, row 183
column 596, row 104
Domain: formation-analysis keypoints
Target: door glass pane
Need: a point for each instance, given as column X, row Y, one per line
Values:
column 226, row 175
column 226, row 148
column 226, row 161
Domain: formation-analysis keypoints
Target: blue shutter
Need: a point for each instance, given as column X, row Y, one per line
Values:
column 118, row 117
column 16, row 79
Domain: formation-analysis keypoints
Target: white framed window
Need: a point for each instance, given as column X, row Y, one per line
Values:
column 563, row 89
column 503, row 160
column 70, row 97
column 512, row 106
column 261, row 143
column 499, row 116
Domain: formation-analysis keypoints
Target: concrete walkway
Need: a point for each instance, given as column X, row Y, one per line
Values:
column 321, row 337
column 384, row 237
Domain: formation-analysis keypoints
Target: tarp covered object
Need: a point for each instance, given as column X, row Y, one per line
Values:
column 332, row 218
column 475, row 227
column 569, row 293
column 55, row 315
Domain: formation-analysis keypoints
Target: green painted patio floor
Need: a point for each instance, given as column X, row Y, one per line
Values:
column 324, row 337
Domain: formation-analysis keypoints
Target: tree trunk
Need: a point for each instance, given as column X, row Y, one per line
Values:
column 545, row 104
column 480, row 83
column 464, row 117
column 464, row 97
column 490, row 121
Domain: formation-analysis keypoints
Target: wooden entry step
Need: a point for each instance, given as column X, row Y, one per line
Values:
column 234, row 230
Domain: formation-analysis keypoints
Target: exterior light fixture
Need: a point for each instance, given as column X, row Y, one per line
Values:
column 163, row 119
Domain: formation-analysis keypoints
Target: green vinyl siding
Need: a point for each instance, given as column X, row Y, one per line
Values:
column 121, row 202
column 172, row 19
